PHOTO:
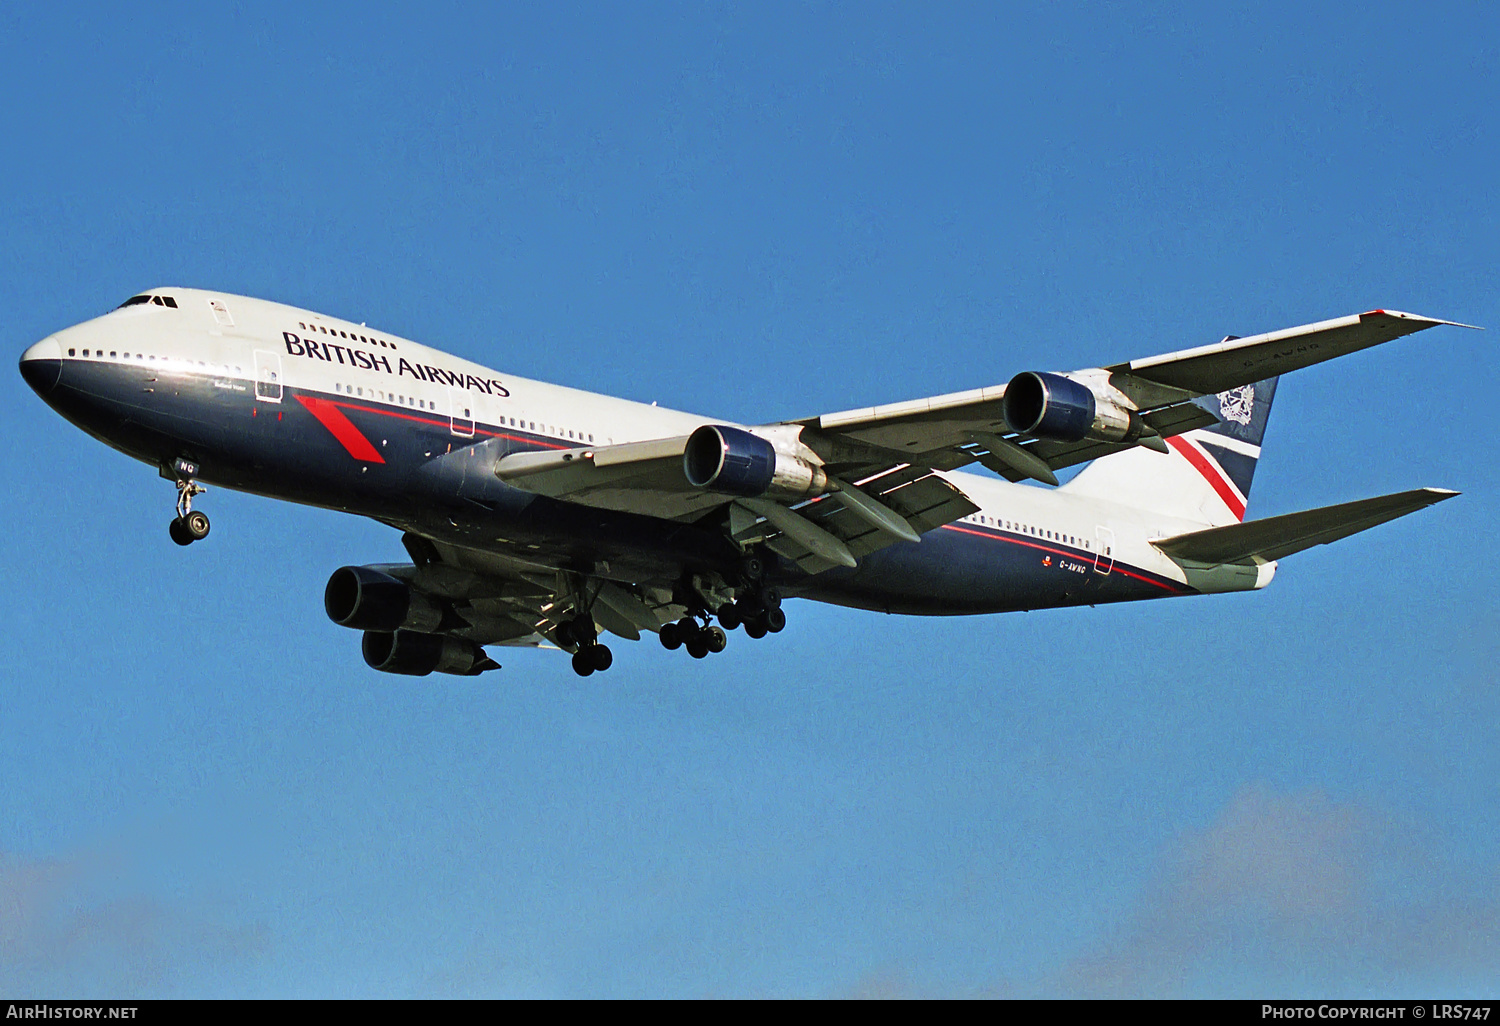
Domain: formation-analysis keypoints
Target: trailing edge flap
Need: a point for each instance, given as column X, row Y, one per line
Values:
column 1264, row 541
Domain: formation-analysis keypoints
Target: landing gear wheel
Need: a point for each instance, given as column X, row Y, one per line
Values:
column 716, row 639
column 583, row 664
column 753, row 568
column 755, row 628
column 671, row 636
column 729, row 616
column 600, row 657
column 775, row 620
column 697, row 647
column 188, row 526
column 770, row 598
column 195, row 525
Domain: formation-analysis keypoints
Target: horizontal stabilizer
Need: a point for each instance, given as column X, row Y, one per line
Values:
column 1264, row 541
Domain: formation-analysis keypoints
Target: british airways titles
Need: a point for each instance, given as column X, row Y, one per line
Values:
column 328, row 351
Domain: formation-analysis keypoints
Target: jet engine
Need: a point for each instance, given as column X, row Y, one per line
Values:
column 732, row 460
column 417, row 654
column 1060, row 409
column 366, row 599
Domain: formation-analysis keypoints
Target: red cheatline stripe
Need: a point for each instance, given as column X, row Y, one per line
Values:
column 1117, row 567
column 478, row 429
column 331, row 417
column 1211, row 474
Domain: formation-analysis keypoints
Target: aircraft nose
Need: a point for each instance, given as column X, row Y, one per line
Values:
column 41, row 365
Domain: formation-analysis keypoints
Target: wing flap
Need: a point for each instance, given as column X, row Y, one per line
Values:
column 1264, row 541
column 1168, row 421
column 923, row 499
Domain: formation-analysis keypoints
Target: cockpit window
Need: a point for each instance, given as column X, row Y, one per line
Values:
column 158, row 300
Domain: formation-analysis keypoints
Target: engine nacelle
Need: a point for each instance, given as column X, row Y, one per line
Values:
column 368, row 600
column 732, row 460
column 417, row 654
column 1060, row 409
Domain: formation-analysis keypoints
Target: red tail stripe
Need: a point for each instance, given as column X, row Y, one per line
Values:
column 331, row 417
column 1211, row 474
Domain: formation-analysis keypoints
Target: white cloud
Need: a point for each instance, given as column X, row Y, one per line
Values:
column 62, row 932
column 1292, row 894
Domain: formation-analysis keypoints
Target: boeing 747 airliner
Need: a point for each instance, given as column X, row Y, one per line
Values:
column 540, row 515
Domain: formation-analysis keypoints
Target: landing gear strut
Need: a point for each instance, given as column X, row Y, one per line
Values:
column 189, row 525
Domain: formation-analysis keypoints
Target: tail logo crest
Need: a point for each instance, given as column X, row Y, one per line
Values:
column 1237, row 404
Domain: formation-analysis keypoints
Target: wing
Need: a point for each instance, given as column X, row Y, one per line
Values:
column 947, row 431
column 502, row 601
column 875, row 504
column 1236, row 362
column 877, row 472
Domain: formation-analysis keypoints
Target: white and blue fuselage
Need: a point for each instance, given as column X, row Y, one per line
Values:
column 270, row 399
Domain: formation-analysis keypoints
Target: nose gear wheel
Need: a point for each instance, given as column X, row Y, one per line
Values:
column 189, row 525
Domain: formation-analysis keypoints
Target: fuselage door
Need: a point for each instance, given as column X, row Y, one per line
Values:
column 267, row 376
column 461, row 412
column 1104, row 550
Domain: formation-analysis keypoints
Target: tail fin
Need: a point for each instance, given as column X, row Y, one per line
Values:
column 1205, row 477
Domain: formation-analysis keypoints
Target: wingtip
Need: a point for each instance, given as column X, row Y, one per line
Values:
column 1400, row 315
column 1441, row 493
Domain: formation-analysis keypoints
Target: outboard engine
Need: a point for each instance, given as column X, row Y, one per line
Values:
column 366, row 599
column 1059, row 409
column 417, row 654
column 732, row 460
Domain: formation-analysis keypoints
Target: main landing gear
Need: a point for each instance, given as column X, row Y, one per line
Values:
column 189, row 525
column 699, row 640
column 591, row 656
column 758, row 611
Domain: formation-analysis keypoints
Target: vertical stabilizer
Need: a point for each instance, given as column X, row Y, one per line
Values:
column 1206, row 474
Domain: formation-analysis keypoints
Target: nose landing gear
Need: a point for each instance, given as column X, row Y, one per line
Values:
column 189, row 525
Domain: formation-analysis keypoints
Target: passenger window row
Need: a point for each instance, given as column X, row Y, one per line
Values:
column 547, row 429
column 352, row 337
column 388, row 397
column 1031, row 529
column 166, row 361
column 400, row 400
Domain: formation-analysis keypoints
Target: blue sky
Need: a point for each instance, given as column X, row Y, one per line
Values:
column 762, row 212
